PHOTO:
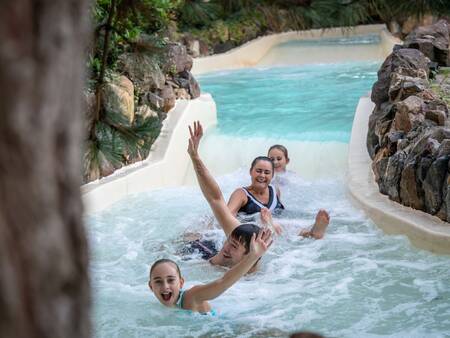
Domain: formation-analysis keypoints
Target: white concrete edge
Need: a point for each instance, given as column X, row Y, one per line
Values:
column 253, row 51
column 167, row 163
column 423, row 230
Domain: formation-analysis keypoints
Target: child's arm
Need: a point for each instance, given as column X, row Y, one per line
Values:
column 208, row 185
column 200, row 293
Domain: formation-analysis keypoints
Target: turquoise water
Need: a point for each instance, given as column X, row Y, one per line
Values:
column 356, row 282
column 308, row 103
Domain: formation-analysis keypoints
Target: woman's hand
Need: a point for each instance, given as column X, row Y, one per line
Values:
column 261, row 242
column 266, row 219
column 194, row 140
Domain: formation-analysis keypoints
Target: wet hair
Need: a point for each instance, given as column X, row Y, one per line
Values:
column 305, row 334
column 262, row 158
column 243, row 234
column 162, row 261
column 281, row 148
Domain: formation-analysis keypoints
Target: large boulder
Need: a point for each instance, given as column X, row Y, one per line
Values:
column 408, row 59
column 402, row 86
column 187, row 81
column 143, row 70
column 118, row 96
column 176, row 59
column 433, row 41
column 409, row 113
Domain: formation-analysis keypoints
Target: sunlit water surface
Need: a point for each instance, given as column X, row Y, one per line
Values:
column 356, row 282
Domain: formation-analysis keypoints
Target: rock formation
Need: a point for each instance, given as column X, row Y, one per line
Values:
column 409, row 132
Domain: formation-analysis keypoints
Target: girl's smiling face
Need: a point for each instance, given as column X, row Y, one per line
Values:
column 165, row 282
column 279, row 159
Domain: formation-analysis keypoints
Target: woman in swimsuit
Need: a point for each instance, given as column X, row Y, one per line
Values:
column 166, row 283
column 260, row 193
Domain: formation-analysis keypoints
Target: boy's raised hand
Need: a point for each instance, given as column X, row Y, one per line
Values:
column 196, row 133
column 261, row 242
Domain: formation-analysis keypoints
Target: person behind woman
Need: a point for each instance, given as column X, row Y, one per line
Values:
column 166, row 283
column 278, row 154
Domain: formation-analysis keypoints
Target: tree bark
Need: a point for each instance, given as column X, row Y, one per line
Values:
column 44, row 284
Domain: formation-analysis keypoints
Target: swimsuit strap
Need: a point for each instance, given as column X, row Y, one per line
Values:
column 180, row 300
column 272, row 201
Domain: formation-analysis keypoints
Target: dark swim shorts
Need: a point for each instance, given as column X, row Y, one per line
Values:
column 206, row 248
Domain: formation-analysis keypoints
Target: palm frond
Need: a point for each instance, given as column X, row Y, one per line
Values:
column 199, row 13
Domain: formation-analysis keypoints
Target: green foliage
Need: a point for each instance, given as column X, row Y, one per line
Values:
column 419, row 8
column 122, row 26
column 116, row 142
column 198, row 13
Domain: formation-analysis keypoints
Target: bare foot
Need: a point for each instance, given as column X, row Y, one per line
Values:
column 318, row 229
column 266, row 219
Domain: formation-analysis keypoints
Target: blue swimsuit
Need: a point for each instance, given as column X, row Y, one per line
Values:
column 179, row 304
column 253, row 205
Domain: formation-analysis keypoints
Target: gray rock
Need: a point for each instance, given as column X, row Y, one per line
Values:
column 444, row 148
column 176, row 59
column 437, row 116
column 406, row 58
column 143, row 70
column 153, row 100
column 187, row 81
column 431, row 40
column 411, row 193
column 379, row 124
column 433, row 183
column 409, row 113
column 392, row 176
column 403, row 86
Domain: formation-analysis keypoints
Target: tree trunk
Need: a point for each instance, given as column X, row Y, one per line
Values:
column 44, row 285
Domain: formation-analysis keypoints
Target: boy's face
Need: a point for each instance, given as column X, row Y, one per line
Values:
column 166, row 283
column 231, row 253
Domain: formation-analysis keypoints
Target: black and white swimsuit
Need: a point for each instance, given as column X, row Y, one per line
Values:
column 253, row 205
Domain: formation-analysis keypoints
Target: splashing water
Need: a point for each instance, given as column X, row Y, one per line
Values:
column 355, row 282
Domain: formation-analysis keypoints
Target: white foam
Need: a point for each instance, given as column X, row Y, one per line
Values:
column 310, row 160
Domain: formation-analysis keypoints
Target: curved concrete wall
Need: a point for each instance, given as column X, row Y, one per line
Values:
column 253, row 51
column 423, row 230
column 167, row 163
